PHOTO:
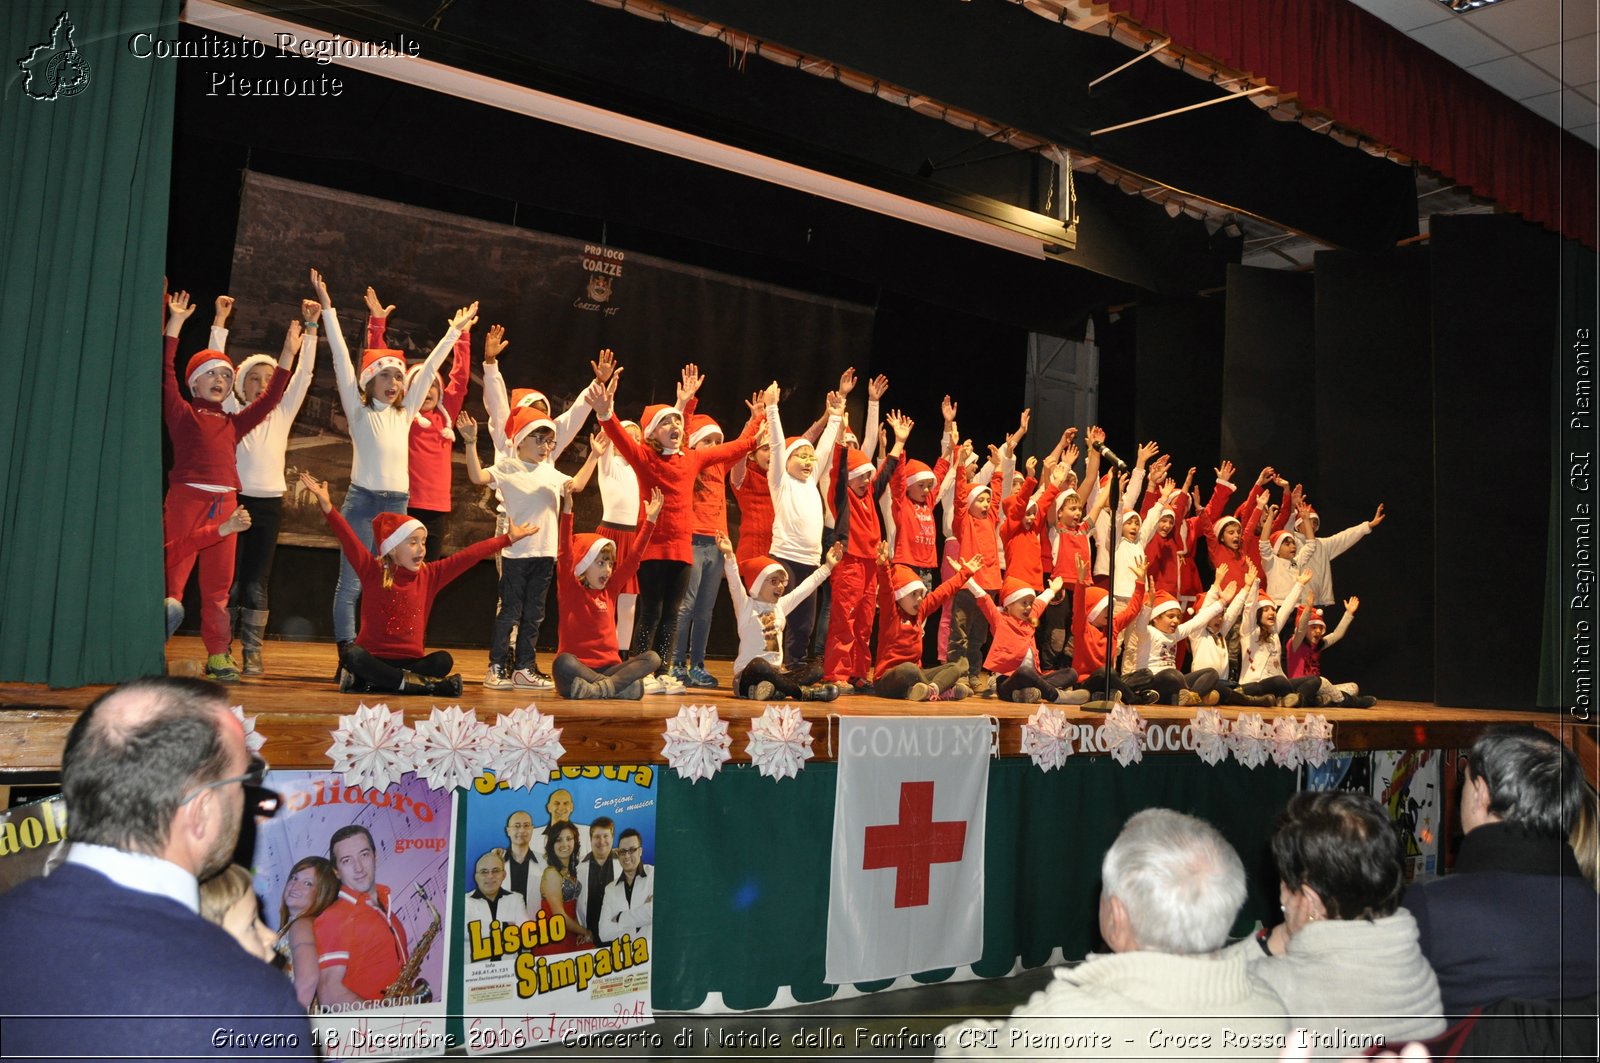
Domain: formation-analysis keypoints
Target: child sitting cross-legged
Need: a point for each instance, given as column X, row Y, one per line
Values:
column 590, row 575
column 760, row 606
column 397, row 592
column 1011, row 656
column 904, row 605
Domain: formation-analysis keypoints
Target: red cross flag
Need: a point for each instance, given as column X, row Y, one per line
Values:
column 906, row 891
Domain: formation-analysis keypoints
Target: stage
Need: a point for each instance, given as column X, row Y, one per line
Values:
column 296, row 706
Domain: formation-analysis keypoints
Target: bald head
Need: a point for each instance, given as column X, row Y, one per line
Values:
column 136, row 750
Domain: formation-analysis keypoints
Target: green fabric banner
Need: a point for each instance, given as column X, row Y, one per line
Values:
column 742, row 901
column 86, row 152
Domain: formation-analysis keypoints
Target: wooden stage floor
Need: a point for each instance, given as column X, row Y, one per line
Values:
column 296, row 705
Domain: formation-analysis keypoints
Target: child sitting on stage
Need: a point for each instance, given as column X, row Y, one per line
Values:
column 760, row 606
column 1089, row 652
column 1311, row 637
column 397, row 592
column 1263, row 653
column 589, row 576
column 904, row 606
column 1155, row 666
column 1011, row 658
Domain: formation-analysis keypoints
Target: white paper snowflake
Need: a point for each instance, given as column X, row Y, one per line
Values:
column 1210, row 733
column 524, row 747
column 1124, row 729
column 697, row 742
column 452, row 748
column 780, row 742
column 373, row 747
column 1047, row 738
column 1249, row 738
column 1286, row 732
column 253, row 739
column 1316, row 739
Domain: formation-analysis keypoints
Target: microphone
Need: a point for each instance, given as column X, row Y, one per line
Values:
column 1110, row 456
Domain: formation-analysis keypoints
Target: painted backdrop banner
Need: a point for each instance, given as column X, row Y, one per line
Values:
column 560, row 300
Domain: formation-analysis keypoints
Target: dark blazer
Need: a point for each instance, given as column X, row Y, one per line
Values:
column 79, row 948
column 1515, row 918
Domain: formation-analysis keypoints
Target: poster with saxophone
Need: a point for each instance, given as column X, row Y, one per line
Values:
column 556, row 908
column 356, row 883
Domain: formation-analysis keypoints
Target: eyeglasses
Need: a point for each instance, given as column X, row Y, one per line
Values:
column 629, row 851
column 252, row 779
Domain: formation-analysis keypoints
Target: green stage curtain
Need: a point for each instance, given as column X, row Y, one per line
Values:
column 742, row 902
column 83, row 221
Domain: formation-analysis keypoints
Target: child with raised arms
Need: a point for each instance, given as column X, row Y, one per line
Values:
column 398, row 591
column 203, row 485
column 761, row 608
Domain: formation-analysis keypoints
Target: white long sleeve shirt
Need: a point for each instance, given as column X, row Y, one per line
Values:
column 379, row 436
column 761, row 624
column 1209, row 649
column 1262, row 655
column 262, row 454
column 796, row 503
column 1158, row 650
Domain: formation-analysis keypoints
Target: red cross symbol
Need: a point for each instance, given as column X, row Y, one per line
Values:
column 913, row 844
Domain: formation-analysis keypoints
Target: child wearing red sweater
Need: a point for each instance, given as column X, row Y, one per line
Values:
column 660, row 461
column 904, row 606
column 1089, row 635
column 432, row 438
column 1011, row 658
column 204, row 482
column 589, row 576
column 847, row 656
column 977, row 532
column 398, row 588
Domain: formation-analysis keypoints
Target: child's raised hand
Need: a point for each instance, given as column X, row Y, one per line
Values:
column 901, row 425
column 318, row 490
column 518, row 532
column 1032, row 466
column 948, row 408
column 465, row 318
column 1058, row 475
column 1225, row 470
column 319, row 285
column 1097, row 435
column 310, row 310
column 847, row 381
column 763, row 433
column 1304, row 577
column 972, row 565
column 1069, row 456
column 1122, row 483
column 1377, row 518
column 994, row 455
column 876, row 387
column 292, row 337
column 598, row 396
column 689, row 381
column 1055, row 586
column 1351, row 604
column 1068, row 435
column 375, row 307
column 494, row 343
column 604, row 365
column 652, row 508
column 1138, row 566
column 883, row 553
column 835, row 404
column 771, row 395
column 467, row 427
column 1267, row 475
column 224, row 308
column 1147, row 451
column 599, row 442
column 179, row 306
column 835, row 553
column 1083, row 571
column 1228, row 593
column 724, row 547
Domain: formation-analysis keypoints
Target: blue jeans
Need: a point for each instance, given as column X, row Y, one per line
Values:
column 524, row 582
column 360, row 506
column 699, row 600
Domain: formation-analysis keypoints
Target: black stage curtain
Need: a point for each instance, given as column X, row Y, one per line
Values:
column 1180, row 382
column 1268, row 377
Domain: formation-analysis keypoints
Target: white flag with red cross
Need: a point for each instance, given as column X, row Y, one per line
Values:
column 906, row 890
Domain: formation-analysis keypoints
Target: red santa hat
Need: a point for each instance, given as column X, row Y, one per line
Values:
column 701, row 428
column 1164, row 603
column 524, row 397
column 1315, row 619
column 1131, row 514
column 415, row 373
column 1277, row 540
column 655, row 415
column 1013, row 589
column 204, row 362
column 244, row 370
column 917, row 471
column 972, row 493
column 375, row 360
column 1095, row 602
column 588, row 547
column 754, row 571
column 1224, row 522
column 389, row 530
column 794, row 443
column 1263, row 599
column 858, row 463
column 523, row 422
column 903, row 581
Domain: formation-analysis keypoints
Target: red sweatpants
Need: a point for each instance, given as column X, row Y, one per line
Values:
column 186, row 515
column 848, row 654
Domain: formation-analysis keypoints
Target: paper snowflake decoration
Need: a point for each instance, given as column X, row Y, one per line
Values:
column 780, row 742
column 1249, row 739
column 1124, row 730
column 253, row 739
column 452, row 748
column 1286, row 751
column 697, row 742
column 1316, row 740
column 1210, row 732
column 1047, row 738
column 373, row 747
column 524, row 747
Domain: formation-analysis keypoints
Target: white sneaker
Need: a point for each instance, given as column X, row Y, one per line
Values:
column 651, row 685
column 1348, row 690
column 670, row 684
column 528, row 679
column 496, row 678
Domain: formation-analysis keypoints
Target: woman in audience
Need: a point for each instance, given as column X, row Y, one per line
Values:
column 1346, row 958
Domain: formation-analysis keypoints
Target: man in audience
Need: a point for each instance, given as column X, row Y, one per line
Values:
column 1515, row 917
column 1171, row 886
column 109, row 956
